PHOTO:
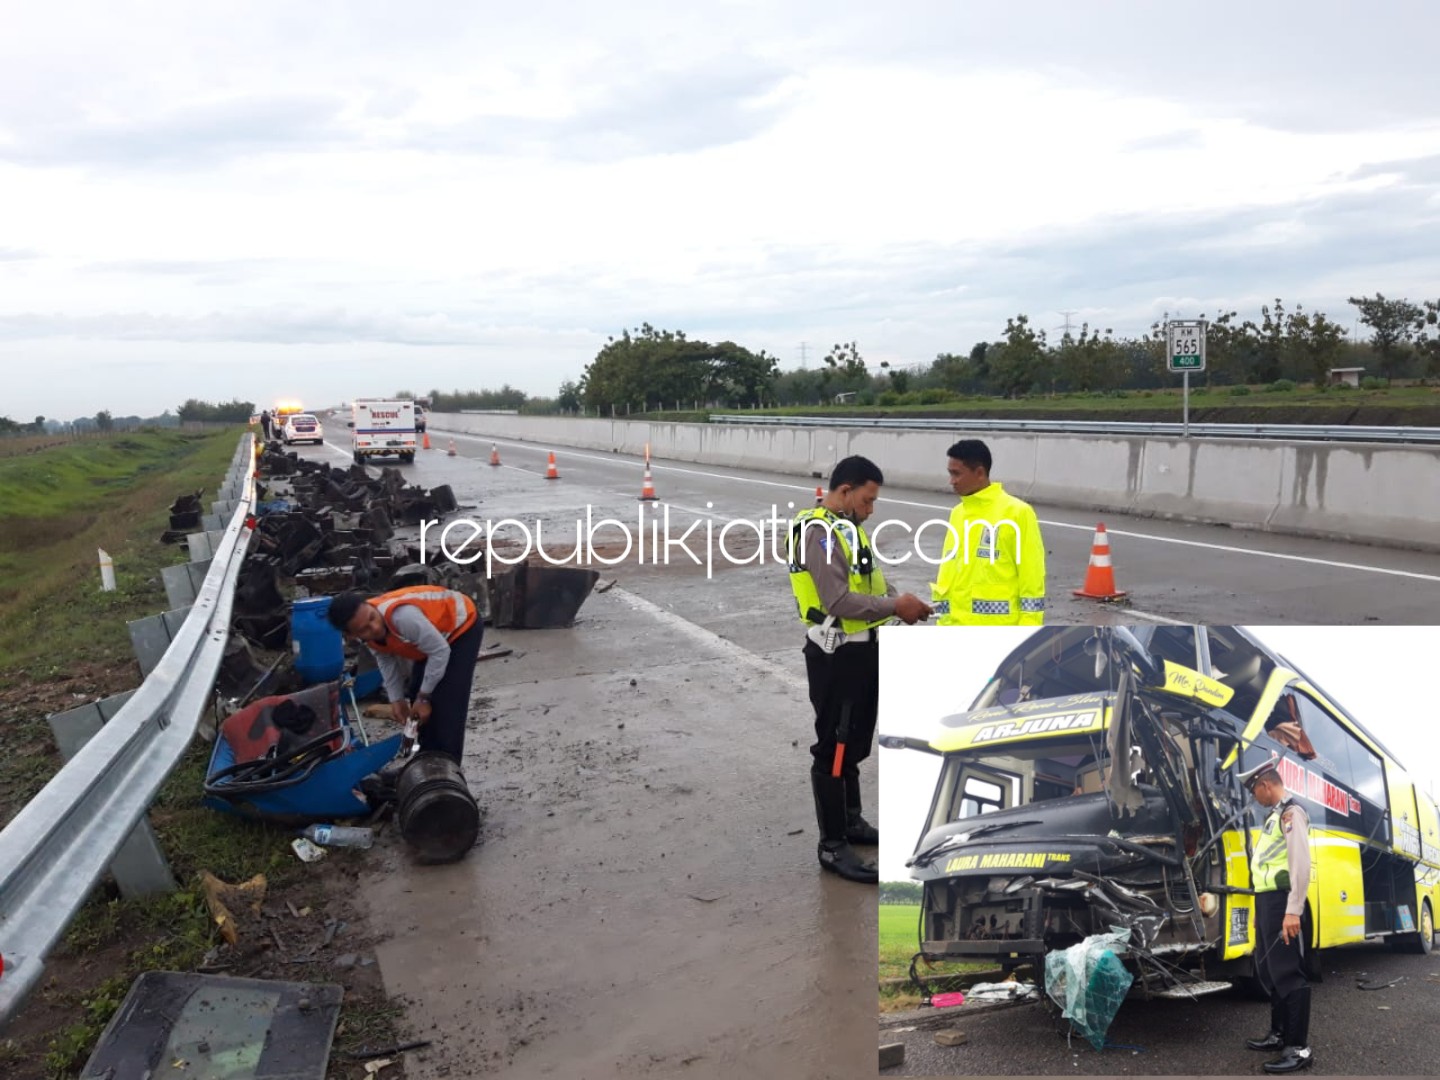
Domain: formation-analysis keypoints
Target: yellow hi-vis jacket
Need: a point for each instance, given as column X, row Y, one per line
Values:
column 1269, row 861
column 866, row 577
column 995, row 575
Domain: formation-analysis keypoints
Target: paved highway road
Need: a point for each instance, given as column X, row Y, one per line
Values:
column 1171, row 570
column 1354, row 1032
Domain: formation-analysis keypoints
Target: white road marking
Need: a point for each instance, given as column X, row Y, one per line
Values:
column 709, row 639
column 1205, row 545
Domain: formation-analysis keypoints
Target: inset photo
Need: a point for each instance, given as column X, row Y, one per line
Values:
column 1157, row 849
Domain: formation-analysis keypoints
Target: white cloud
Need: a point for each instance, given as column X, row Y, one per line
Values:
column 433, row 172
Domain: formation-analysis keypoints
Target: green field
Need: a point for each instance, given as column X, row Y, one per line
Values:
column 899, row 941
column 899, row 938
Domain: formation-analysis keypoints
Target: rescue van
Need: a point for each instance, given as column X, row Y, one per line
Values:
column 382, row 427
column 1094, row 783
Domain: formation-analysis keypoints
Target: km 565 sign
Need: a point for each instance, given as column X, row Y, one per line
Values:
column 1186, row 341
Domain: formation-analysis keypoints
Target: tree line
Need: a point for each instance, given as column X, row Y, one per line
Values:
column 1282, row 345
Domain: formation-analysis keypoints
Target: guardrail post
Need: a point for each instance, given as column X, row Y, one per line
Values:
column 183, row 581
column 139, row 866
column 151, row 636
column 202, row 544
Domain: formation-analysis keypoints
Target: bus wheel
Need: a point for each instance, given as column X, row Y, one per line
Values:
column 1424, row 941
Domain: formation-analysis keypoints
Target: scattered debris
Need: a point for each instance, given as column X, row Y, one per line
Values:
column 223, row 899
column 386, row 1051
column 607, row 586
column 892, row 1054
column 1378, row 986
column 951, row 1037
column 307, row 851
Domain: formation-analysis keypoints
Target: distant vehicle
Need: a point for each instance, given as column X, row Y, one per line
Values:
column 419, row 417
column 302, row 427
column 382, row 427
column 285, row 409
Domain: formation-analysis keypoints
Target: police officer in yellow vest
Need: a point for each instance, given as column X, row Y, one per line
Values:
column 843, row 597
column 1280, row 875
column 992, row 569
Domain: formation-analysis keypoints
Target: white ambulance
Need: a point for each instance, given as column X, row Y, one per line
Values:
column 382, row 427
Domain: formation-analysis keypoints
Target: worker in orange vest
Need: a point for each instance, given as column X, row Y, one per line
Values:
column 426, row 641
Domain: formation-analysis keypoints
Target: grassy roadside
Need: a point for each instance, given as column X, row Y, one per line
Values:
column 63, row 642
column 899, row 941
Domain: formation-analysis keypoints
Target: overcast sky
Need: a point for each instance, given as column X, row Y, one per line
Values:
column 325, row 200
column 1378, row 673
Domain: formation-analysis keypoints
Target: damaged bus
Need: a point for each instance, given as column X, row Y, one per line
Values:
column 1094, row 784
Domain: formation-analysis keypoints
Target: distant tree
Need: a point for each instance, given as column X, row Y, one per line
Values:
column 8, row 426
column 228, row 412
column 1021, row 363
column 1427, row 337
column 569, row 397
column 39, row 425
column 404, row 395
column 1315, row 343
column 104, row 421
column 507, row 397
column 1392, row 324
column 1267, row 343
column 1091, row 361
column 845, row 361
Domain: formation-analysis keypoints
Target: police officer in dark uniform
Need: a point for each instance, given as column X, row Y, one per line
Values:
column 1280, row 875
column 842, row 595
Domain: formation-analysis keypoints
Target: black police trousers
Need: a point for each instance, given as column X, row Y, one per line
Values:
column 1280, row 968
column 845, row 693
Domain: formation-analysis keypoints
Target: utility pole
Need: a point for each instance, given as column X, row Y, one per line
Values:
column 1067, row 315
column 804, row 351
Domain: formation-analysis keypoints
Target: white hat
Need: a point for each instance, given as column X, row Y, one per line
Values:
column 1249, row 776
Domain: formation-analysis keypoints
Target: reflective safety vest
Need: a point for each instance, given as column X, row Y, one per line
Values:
column 1269, row 864
column 992, row 568
column 450, row 612
column 866, row 577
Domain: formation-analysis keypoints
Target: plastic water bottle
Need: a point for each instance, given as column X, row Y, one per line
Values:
column 412, row 732
column 339, row 835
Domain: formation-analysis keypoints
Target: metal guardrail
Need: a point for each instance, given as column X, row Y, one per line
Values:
column 58, row 846
column 1296, row 432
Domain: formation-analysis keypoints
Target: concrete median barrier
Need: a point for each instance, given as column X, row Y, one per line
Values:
column 1362, row 492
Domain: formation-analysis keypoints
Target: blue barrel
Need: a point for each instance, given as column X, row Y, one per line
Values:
column 319, row 648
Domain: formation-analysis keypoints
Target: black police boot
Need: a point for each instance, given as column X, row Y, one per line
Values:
column 1293, row 1059
column 1276, row 1039
column 857, row 829
column 834, row 852
column 1296, row 1055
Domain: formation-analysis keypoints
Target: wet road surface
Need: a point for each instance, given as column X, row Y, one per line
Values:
column 645, row 899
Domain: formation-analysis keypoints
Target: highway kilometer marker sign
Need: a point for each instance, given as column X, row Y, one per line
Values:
column 1186, row 345
column 1185, row 339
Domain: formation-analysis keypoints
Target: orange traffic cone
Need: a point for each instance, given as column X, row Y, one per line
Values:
column 449, row 449
column 426, row 444
column 494, row 454
column 1100, row 576
column 819, row 495
column 552, row 473
column 647, row 489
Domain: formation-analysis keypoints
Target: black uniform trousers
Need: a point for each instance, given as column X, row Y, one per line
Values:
column 1280, row 968
column 450, row 700
column 845, row 692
